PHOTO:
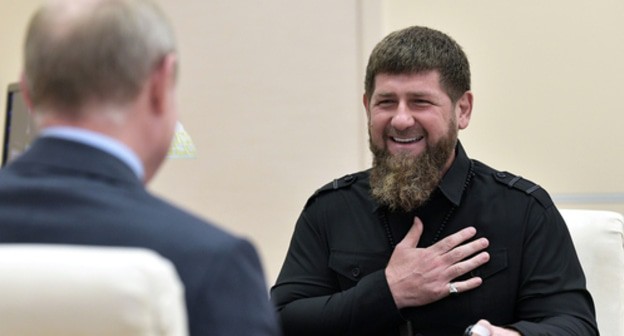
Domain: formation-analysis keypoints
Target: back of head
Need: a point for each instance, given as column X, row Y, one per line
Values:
column 416, row 49
column 98, row 51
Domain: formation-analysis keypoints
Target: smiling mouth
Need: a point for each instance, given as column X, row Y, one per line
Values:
column 406, row 140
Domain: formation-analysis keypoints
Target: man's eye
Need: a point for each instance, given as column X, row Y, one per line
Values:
column 421, row 102
column 385, row 102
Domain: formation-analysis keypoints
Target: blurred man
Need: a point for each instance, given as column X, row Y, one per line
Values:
column 100, row 76
column 428, row 241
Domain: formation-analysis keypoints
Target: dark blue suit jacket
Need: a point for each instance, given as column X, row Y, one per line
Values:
column 62, row 192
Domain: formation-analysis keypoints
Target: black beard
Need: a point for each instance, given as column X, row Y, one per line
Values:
column 406, row 182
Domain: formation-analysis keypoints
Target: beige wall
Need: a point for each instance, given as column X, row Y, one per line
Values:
column 14, row 16
column 270, row 92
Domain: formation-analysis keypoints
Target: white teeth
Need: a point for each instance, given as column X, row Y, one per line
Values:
column 406, row 140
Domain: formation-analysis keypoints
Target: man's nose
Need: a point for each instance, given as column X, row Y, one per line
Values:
column 403, row 118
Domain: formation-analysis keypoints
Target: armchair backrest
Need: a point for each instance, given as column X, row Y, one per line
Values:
column 54, row 290
column 599, row 240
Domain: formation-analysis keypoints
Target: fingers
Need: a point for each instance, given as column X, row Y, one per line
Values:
column 464, row 286
column 462, row 251
column 485, row 328
column 452, row 241
column 459, row 267
column 412, row 237
column 419, row 276
column 456, row 258
column 482, row 328
column 463, row 267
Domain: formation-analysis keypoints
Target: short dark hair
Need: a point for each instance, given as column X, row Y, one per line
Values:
column 416, row 49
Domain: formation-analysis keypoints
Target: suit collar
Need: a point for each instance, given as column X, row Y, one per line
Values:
column 75, row 158
column 97, row 140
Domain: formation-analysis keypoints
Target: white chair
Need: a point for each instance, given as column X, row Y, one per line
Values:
column 599, row 240
column 62, row 290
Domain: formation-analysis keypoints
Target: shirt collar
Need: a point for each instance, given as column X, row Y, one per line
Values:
column 99, row 141
column 452, row 184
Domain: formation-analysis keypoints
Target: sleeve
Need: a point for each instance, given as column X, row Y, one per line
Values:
column 235, row 298
column 309, row 297
column 553, row 299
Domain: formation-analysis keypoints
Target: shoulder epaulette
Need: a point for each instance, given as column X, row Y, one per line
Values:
column 524, row 185
column 336, row 184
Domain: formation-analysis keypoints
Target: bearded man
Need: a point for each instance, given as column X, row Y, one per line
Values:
column 429, row 241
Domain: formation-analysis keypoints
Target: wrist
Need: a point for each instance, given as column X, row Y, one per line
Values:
column 393, row 287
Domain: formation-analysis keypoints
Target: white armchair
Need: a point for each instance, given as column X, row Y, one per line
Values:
column 61, row 290
column 599, row 240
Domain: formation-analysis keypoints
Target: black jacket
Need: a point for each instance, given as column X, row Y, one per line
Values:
column 333, row 283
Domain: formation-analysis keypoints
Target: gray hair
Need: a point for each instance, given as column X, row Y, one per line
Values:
column 101, row 51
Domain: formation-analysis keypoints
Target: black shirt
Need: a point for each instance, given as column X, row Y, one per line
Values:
column 333, row 282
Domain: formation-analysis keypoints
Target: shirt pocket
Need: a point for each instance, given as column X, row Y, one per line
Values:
column 350, row 267
column 497, row 290
column 498, row 262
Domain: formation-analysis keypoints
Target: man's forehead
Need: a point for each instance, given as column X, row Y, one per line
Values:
column 420, row 83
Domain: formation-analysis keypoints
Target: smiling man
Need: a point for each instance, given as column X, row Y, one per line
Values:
column 413, row 132
column 428, row 241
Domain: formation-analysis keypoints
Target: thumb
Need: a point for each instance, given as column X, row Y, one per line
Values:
column 482, row 328
column 413, row 235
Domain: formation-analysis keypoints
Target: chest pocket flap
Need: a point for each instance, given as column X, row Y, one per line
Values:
column 354, row 266
column 498, row 262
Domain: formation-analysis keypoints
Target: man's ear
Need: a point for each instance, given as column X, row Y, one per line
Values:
column 366, row 103
column 463, row 108
column 25, row 92
column 161, row 84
